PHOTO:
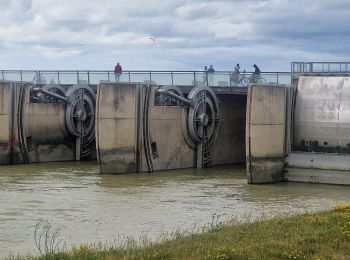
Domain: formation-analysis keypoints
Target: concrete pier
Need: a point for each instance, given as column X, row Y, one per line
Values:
column 266, row 123
column 10, row 148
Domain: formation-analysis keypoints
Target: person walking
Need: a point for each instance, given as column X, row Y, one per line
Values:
column 117, row 72
column 211, row 72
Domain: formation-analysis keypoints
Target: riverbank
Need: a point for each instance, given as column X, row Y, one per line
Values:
column 323, row 235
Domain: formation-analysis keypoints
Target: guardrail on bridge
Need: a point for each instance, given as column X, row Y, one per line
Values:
column 179, row 78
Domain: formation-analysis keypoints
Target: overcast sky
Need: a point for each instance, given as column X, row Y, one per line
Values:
column 172, row 34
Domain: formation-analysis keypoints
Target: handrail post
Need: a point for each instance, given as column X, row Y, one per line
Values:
column 2, row 72
column 20, row 73
column 88, row 74
column 39, row 77
column 277, row 77
column 77, row 77
column 109, row 79
column 172, row 78
column 129, row 76
column 58, row 77
column 194, row 78
column 150, row 77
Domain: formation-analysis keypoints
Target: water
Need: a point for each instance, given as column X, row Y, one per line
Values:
column 88, row 207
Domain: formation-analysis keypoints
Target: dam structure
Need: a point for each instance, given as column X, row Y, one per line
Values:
column 286, row 126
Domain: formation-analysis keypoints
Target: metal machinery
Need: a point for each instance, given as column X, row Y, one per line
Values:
column 63, row 119
column 203, row 116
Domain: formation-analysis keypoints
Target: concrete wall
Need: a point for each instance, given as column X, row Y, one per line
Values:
column 4, row 122
column 9, row 146
column 229, row 147
column 322, row 114
column 265, row 133
column 168, row 128
column 321, row 131
column 318, row 168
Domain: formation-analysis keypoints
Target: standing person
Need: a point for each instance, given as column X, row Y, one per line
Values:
column 235, row 74
column 211, row 75
column 205, row 76
column 117, row 72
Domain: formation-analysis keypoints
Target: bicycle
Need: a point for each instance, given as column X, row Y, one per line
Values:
column 254, row 78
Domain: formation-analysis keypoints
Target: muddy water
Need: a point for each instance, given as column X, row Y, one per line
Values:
column 88, row 207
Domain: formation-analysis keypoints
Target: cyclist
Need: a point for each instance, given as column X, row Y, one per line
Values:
column 256, row 73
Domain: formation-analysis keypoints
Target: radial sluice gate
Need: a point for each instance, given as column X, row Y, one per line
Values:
column 41, row 123
column 144, row 128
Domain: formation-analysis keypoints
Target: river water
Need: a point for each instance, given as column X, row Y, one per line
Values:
column 88, row 207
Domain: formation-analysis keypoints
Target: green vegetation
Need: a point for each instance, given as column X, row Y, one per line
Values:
column 324, row 235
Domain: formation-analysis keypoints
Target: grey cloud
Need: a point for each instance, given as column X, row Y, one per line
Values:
column 200, row 11
column 189, row 33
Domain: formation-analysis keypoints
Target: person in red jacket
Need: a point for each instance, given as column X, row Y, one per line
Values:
column 117, row 72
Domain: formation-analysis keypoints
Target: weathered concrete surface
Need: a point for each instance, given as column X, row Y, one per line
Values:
column 229, row 147
column 265, row 133
column 318, row 168
column 116, row 128
column 322, row 114
column 317, row 176
column 4, row 122
column 166, row 130
column 319, row 161
column 46, row 135
column 9, row 146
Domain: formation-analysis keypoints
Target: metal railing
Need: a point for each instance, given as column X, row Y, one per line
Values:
column 179, row 78
column 320, row 67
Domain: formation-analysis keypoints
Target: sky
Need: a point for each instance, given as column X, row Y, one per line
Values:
column 171, row 34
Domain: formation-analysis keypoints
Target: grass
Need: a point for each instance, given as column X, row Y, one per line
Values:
column 323, row 235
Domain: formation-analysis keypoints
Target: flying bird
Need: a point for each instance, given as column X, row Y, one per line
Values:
column 152, row 38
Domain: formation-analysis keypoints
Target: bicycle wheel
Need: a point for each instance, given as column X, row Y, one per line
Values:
column 261, row 81
column 245, row 82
